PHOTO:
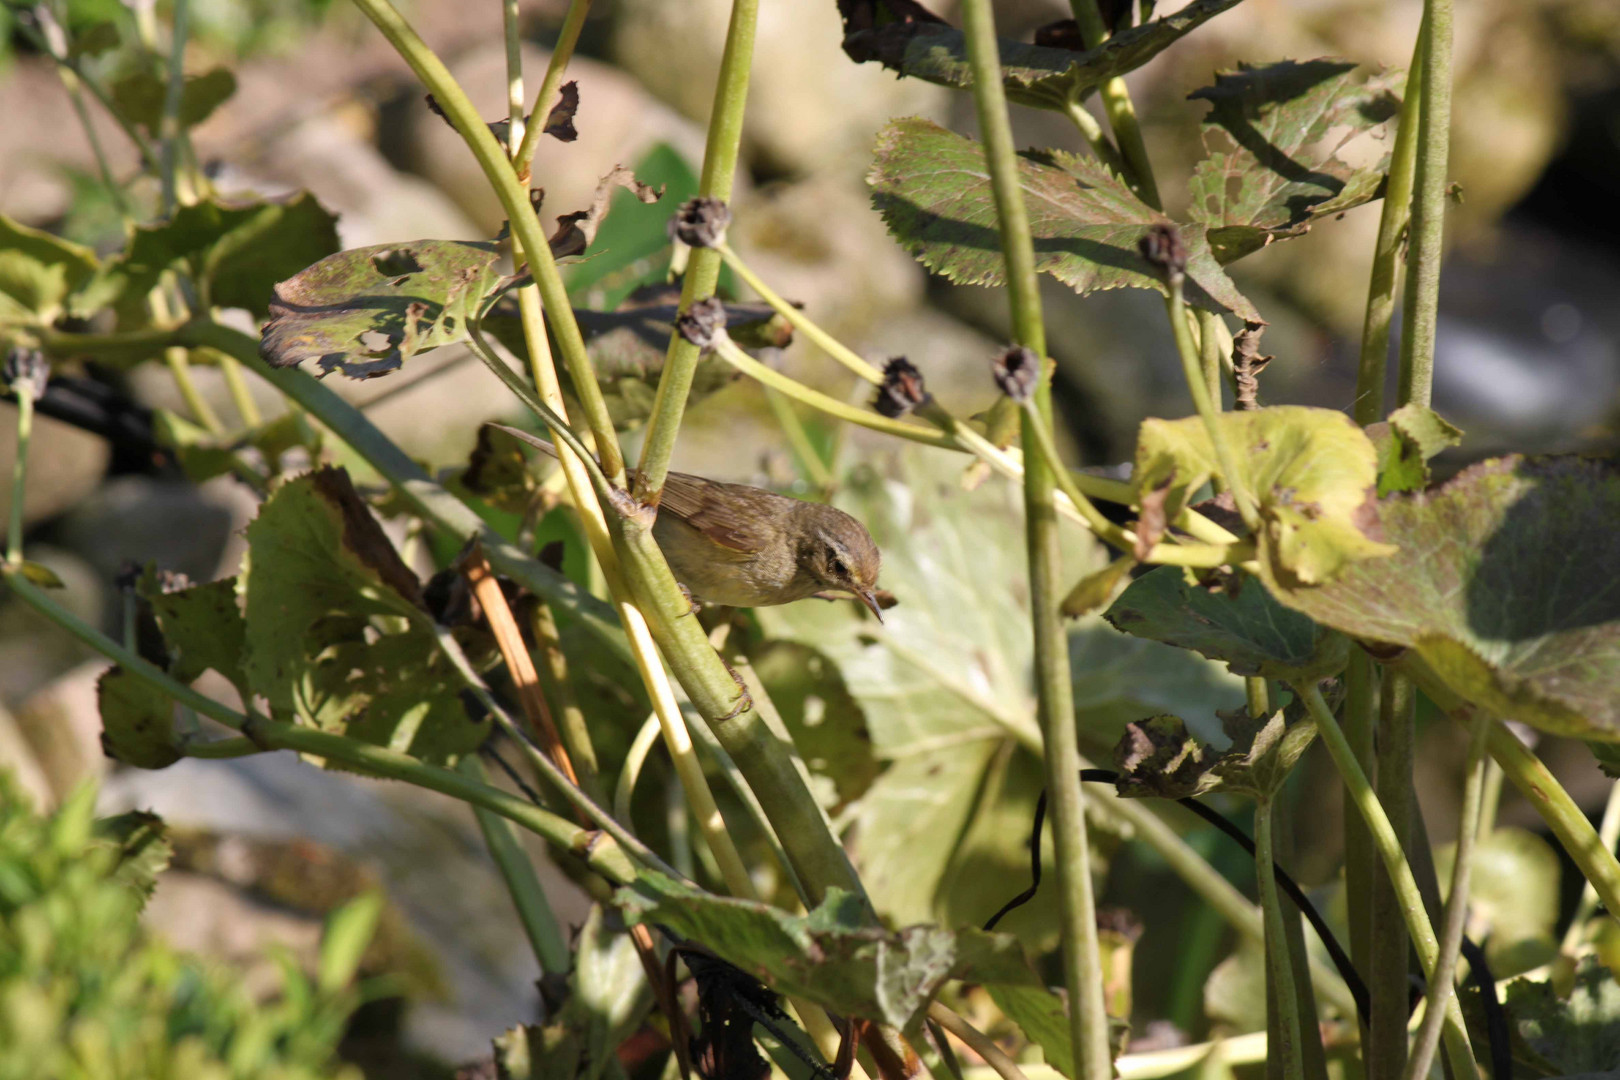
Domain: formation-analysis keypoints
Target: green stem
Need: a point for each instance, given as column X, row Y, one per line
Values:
column 1422, row 299
column 1116, row 99
column 1455, row 919
column 1081, row 951
column 53, row 44
column 1279, row 963
column 600, row 852
column 730, row 352
column 1387, row 260
column 180, row 369
column 514, row 79
column 571, row 723
column 169, row 126
column 797, row 319
column 1209, row 353
column 1192, row 368
column 1042, row 438
column 1360, row 791
column 1567, row 821
column 804, row 451
column 19, row 471
column 517, row 871
column 720, row 153
column 1360, row 861
column 561, row 53
column 524, row 224
column 1388, row 970
column 980, row 1043
column 1091, row 131
column 1609, row 833
column 241, row 396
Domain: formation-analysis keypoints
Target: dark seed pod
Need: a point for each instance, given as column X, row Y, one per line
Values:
column 26, row 368
column 1163, row 249
column 902, row 389
column 700, row 223
column 1017, row 371
column 703, row 322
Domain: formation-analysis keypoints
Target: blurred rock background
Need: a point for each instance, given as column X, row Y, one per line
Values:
column 1529, row 347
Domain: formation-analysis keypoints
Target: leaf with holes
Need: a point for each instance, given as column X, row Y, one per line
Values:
column 1246, row 627
column 1311, row 472
column 366, row 311
column 932, row 187
column 1406, row 441
column 1034, row 75
column 202, row 625
column 336, row 633
column 832, row 956
column 1275, row 133
column 1502, row 588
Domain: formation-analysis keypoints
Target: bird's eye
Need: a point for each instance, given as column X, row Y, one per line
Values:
column 836, row 565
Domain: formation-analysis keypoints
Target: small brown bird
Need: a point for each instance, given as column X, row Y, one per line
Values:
column 747, row 547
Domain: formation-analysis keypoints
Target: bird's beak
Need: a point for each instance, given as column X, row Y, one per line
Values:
column 869, row 598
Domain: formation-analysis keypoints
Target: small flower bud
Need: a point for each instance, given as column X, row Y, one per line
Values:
column 902, row 389
column 1017, row 371
column 703, row 323
column 1164, row 251
column 26, row 368
column 700, row 223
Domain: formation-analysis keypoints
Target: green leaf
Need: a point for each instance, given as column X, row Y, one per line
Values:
column 1033, row 75
column 1311, row 471
column 143, row 846
column 336, row 634
column 1577, row 1036
column 1043, row 1017
column 137, row 721
column 1501, row 590
column 610, row 994
column 366, row 311
column 344, row 940
column 1243, row 625
column 37, row 273
column 237, row 251
column 1406, row 442
column 202, row 625
column 932, row 187
column 1274, row 134
column 140, row 95
column 1513, row 898
column 943, row 686
column 831, row 956
column 204, row 455
column 824, row 719
column 40, row 574
column 1159, row 758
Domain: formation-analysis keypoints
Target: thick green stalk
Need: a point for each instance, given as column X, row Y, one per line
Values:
column 599, row 851
column 1388, row 970
column 514, row 80
column 1082, row 956
column 427, row 499
column 19, row 471
column 524, row 224
column 1361, row 794
column 1567, row 821
column 1422, row 301
column 1209, row 354
column 169, row 126
column 561, row 53
column 1387, row 259
column 1116, row 99
column 1455, row 920
column 576, row 733
column 720, row 153
column 1608, row 832
column 1360, row 861
column 1288, row 1054
column 517, row 871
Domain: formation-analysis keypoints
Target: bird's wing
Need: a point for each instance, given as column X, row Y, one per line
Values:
column 703, row 505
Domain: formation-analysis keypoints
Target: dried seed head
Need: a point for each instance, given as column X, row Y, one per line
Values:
column 703, row 322
column 902, row 389
column 700, row 223
column 1017, row 371
column 1163, row 249
column 26, row 368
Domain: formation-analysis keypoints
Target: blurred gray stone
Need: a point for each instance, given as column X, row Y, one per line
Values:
column 424, row 848
column 61, row 722
column 810, row 108
column 34, row 650
column 180, row 526
column 64, row 465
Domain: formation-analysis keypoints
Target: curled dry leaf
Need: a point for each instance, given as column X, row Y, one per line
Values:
column 560, row 121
